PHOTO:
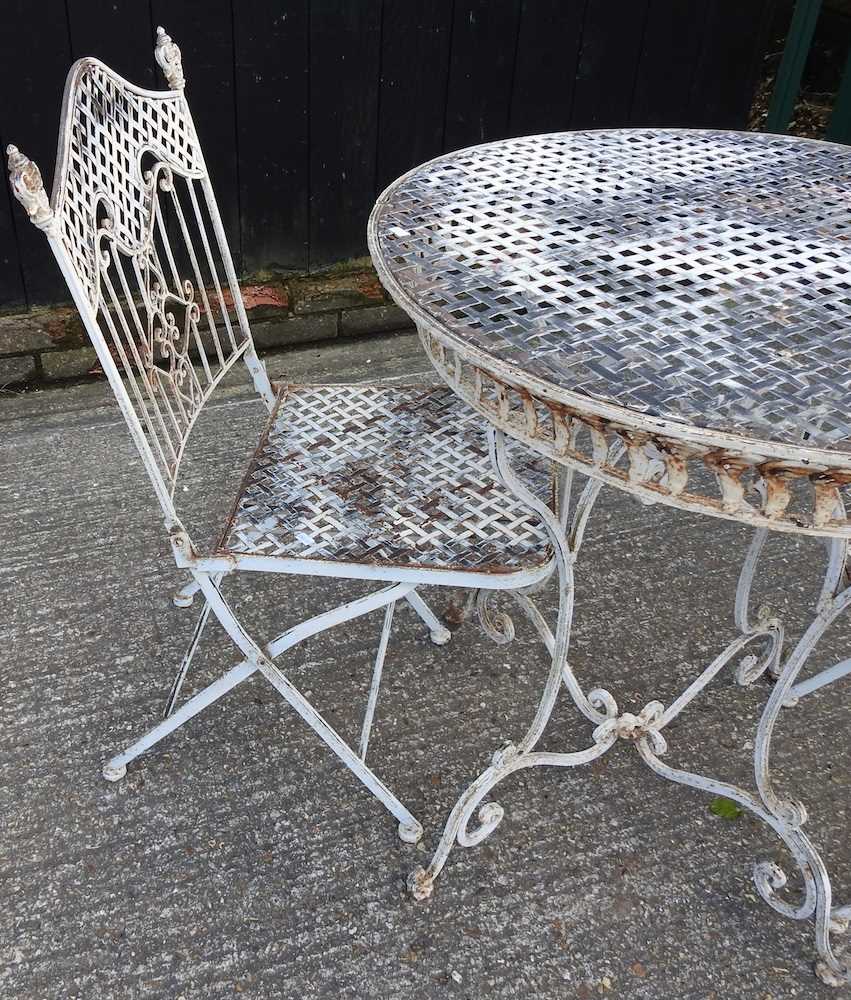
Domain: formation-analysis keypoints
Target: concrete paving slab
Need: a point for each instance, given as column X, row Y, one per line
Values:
column 239, row 858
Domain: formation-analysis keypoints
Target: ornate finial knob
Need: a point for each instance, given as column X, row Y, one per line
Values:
column 167, row 55
column 28, row 188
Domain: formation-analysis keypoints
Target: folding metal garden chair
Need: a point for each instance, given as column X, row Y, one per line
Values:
column 367, row 482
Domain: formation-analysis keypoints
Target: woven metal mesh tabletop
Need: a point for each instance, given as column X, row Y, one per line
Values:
column 701, row 277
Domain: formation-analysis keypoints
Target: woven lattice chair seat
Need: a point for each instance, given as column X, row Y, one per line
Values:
column 383, row 475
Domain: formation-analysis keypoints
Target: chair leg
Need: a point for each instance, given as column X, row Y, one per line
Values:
column 438, row 632
column 115, row 769
column 117, row 766
column 180, row 676
column 184, row 596
column 369, row 714
column 410, row 830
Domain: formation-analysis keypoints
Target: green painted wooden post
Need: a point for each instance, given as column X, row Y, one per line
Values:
column 795, row 53
column 839, row 126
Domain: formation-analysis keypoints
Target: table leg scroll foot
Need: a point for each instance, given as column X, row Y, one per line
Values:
column 832, row 968
column 490, row 814
column 829, row 976
column 420, row 884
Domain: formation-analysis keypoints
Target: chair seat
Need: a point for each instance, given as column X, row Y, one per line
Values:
column 385, row 476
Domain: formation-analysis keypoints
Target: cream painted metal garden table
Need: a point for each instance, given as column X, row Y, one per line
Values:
column 668, row 312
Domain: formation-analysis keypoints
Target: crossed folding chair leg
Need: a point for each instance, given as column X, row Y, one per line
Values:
column 257, row 658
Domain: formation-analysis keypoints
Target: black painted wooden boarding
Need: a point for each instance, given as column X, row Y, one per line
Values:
column 35, row 59
column 272, row 73
column 308, row 108
column 414, row 75
column 345, row 69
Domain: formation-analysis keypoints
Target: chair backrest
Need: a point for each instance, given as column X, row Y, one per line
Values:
column 135, row 228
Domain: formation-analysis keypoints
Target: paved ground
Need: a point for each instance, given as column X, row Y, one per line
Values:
column 240, row 858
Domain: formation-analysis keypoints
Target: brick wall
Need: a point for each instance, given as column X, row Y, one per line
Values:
column 49, row 345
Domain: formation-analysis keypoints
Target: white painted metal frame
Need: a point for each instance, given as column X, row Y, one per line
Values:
column 506, row 255
column 835, row 588
column 130, row 216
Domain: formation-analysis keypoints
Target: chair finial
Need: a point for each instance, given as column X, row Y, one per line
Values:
column 167, row 54
column 28, row 188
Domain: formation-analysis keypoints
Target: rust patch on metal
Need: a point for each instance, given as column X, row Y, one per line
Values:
column 254, row 297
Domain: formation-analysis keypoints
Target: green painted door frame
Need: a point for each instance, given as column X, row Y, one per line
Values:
column 791, row 69
column 839, row 127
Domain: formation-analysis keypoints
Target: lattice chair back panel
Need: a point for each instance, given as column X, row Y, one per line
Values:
column 134, row 224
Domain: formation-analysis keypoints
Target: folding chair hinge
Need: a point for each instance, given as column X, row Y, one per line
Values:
column 261, row 661
column 182, row 547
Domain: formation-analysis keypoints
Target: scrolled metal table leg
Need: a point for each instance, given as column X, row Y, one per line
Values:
column 598, row 706
column 785, row 817
column 497, row 625
column 645, row 730
column 788, row 816
column 834, row 586
column 503, row 763
column 836, row 580
column 832, row 969
column 764, row 616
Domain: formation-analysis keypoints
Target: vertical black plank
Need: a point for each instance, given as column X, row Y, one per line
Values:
column 611, row 45
column 547, row 53
column 484, row 45
column 35, row 61
column 271, row 43
column 672, row 45
column 119, row 34
column 414, row 73
column 345, row 45
column 734, row 42
column 204, row 32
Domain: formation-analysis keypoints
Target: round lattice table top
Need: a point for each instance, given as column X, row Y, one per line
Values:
column 701, row 277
